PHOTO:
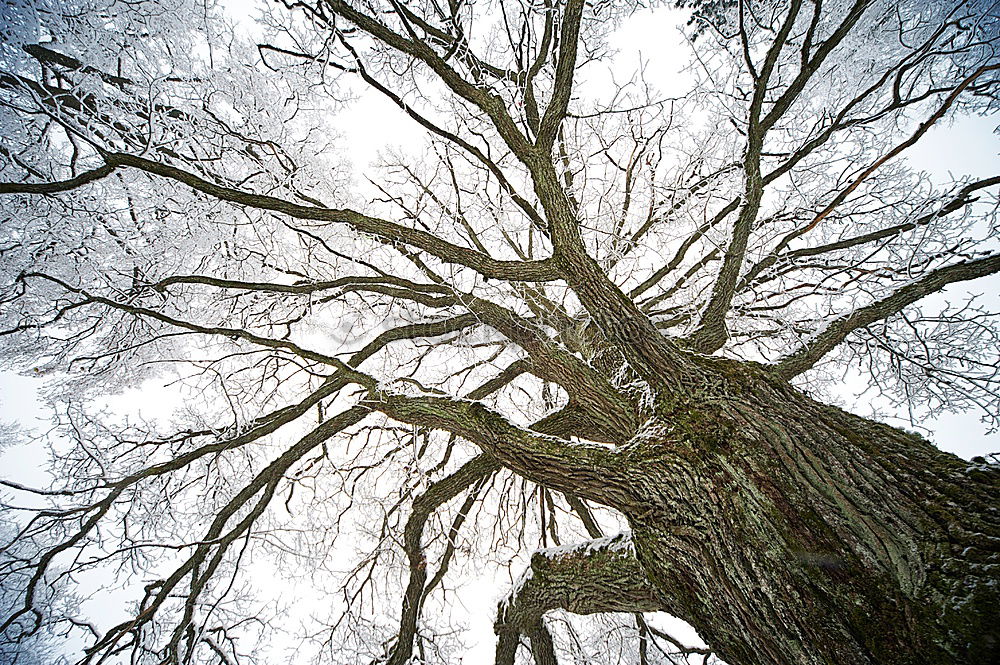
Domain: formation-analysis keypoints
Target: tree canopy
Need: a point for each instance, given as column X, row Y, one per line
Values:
column 575, row 299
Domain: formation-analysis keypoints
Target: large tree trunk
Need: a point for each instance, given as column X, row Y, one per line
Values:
column 787, row 531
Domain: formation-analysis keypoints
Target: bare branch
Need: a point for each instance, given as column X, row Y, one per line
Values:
column 838, row 331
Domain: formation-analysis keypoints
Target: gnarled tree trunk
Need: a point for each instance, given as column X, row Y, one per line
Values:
column 786, row 532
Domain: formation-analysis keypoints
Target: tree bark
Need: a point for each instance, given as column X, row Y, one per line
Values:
column 790, row 532
column 787, row 532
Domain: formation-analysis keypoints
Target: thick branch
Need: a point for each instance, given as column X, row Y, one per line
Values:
column 55, row 187
column 542, row 270
column 569, row 35
column 490, row 104
column 838, row 331
column 605, row 405
column 597, row 576
column 452, row 137
column 711, row 333
column 438, row 494
column 435, row 496
column 390, row 231
column 588, row 470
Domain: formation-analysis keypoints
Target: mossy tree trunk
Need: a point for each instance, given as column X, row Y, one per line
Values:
column 785, row 531
column 789, row 532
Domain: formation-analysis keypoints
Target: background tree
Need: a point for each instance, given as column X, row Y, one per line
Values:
column 581, row 309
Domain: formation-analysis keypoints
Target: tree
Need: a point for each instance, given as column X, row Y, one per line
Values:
column 576, row 309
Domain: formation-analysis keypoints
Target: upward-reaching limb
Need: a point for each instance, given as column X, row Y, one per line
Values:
column 838, row 330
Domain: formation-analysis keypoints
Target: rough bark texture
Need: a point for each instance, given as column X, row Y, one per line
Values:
column 603, row 575
column 787, row 531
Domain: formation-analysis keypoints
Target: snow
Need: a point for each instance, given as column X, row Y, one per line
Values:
column 619, row 542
